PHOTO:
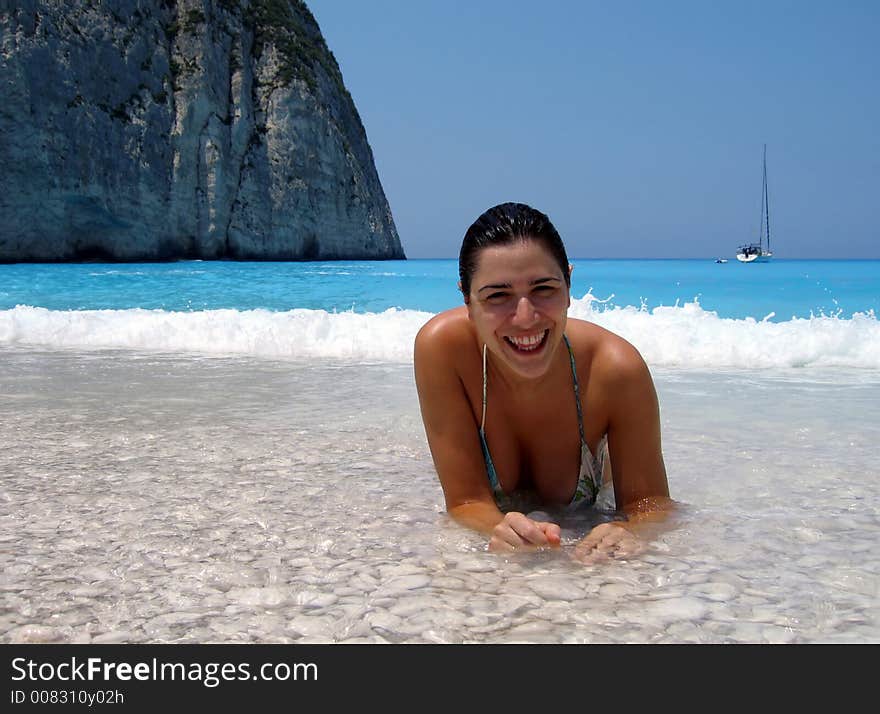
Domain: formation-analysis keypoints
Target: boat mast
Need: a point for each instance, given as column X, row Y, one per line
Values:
column 766, row 199
column 761, row 220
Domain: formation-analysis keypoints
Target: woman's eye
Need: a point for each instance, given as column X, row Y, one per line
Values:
column 496, row 298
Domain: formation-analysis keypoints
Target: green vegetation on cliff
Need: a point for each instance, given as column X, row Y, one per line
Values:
column 287, row 24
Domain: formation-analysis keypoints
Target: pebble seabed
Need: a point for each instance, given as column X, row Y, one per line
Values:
column 183, row 499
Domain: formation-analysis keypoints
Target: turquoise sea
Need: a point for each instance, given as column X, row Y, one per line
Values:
column 233, row 452
column 786, row 313
column 781, row 289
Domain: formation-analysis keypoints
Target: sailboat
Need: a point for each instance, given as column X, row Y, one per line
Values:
column 756, row 252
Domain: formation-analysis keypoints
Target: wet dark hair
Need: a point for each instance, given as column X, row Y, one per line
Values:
column 504, row 224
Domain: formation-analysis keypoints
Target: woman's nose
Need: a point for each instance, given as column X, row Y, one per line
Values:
column 525, row 314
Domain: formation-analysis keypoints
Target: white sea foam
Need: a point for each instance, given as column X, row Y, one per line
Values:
column 680, row 336
column 689, row 336
column 386, row 337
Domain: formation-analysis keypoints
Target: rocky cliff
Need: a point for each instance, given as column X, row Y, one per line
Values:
column 154, row 129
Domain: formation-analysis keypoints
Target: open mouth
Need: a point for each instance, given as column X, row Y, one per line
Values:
column 527, row 343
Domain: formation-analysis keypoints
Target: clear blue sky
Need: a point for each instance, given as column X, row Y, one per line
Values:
column 637, row 126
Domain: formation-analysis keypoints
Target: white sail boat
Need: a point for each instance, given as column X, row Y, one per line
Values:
column 757, row 252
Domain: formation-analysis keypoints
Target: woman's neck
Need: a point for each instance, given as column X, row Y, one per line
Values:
column 517, row 385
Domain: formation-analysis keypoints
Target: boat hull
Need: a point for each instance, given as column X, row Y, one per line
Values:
column 753, row 254
column 752, row 258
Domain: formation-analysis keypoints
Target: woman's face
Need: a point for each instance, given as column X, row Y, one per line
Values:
column 518, row 304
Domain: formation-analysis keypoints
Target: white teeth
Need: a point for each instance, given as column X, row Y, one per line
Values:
column 529, row 342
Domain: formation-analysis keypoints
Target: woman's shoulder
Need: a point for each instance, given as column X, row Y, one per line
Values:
column 605, row 353
column 447, row 326
column 445, row 336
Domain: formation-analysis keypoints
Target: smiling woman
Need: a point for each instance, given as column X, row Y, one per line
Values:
column 573, row 419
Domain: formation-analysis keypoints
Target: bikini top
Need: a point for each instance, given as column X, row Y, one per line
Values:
column 592, row 468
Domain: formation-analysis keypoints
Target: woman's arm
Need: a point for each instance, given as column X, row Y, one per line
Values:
column 453, row 438
column 641, row 489
column 450, row 427
column 640, row 484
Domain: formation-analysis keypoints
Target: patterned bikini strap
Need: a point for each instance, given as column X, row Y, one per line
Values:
column 483, row 420
column 577, row 389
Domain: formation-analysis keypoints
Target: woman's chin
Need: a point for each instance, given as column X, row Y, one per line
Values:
column 528, row 363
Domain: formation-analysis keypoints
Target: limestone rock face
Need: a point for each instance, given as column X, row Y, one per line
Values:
column 153, row 129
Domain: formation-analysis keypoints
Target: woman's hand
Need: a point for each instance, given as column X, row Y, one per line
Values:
column 519, row 532
column 608, row 540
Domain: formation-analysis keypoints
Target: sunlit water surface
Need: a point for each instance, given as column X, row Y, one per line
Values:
column 153, row 498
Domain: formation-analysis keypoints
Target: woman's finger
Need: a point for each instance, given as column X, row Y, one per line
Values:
column 553, row 534
column 518, row 531
column 595, row 536
column 530, row 532
column 499, row 545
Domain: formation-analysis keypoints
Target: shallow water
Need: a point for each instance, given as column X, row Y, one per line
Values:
column 173, row 498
